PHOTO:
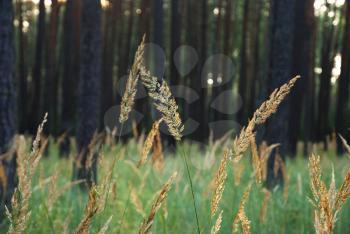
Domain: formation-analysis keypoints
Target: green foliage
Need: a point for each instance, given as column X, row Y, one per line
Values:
column 295, row 216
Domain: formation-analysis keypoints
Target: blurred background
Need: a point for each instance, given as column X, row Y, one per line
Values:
column 222, row 58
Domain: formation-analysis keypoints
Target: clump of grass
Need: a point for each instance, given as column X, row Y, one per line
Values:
column 147, row 223
column 128, row 98
column 329, row 202
column 26, row 168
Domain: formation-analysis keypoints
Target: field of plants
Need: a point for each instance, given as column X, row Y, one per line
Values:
column 58, row 205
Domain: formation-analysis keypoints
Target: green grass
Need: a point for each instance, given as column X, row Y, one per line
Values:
column 295, row 216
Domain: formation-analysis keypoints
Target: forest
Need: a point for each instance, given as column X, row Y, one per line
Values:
column 174, row 116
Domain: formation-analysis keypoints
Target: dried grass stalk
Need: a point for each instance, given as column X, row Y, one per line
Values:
column 256, row 160
column 267, row 108
column 345, row 144
column 241, row 216
column 327, row 203
column 105, row 227
column 136, row 202
column 158, row 157
column 147, row 223
column 147, row 146
column 238, row 169
column 216, row 228
column 128, row 98
column 164, row 102
column 26, row 167
column 263, row 211
column 220, row 178
column 91, row 210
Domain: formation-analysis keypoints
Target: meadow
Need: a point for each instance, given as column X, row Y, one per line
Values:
column 218, row 188
column 57, row 205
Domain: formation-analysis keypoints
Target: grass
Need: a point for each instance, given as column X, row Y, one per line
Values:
column 176, row 214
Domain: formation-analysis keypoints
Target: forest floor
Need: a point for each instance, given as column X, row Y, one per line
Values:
column 58, row 207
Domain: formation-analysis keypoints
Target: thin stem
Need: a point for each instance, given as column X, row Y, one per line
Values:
column 192, row 191
column 115, row 161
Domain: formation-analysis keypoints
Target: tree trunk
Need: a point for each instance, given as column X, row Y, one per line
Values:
column 70, row 71
column 342, row 112
column 109, row 51
column 175, row 41
column 327, row 60
column 51, row 76
column 303, row 66
column 22, row 72
column 7, row 103
column 89, row 89
column 36, row 91
column 249, row 58
column 282, row 28
column 124, row 62
column 196, row 37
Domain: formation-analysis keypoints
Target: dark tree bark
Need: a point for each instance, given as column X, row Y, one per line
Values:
column 36, row 91
column 125, row 61
column 109, row 51
column 342, row 112
column 175, row 41
column 51, row 76
column 158, row 13
column 196, row 37
column 71, row 44
column 327, row 60
column 89, row 89
column 303, row 66
column 7, row 103
column 227, row 49
column 249, row 57
column 22, row 72
column 217, row 69
column 282, row 28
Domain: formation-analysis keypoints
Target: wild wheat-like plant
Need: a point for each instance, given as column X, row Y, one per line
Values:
column 266, row 109
column 216, row 227
column 329, row 202
column 128, row 98
column 91, row 210
column 25, row 170
column 158, row 157
column 164, row 102
column 345, row 144
column 147, row 223
column 149, row 143
column 220, row 179
column 241, row 217
column 105, row 227
column 263, row 211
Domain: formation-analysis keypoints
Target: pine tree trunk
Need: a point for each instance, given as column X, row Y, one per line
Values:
column 89, row 89
column 51, row 76
column 109, row 52
column 282, row 28
column 36, row 110
column 303, row 66
column 70, row 71
column 342, row 112
column 7, row 103
column 22, row 72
